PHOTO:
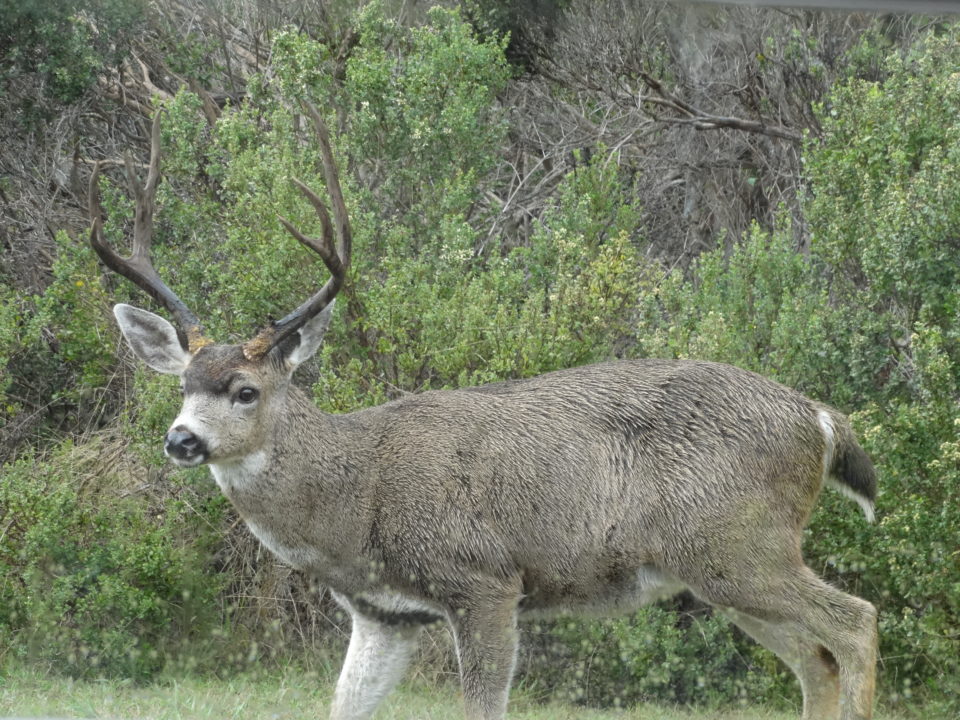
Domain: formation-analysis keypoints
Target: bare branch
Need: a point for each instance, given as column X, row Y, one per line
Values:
column 705, row 121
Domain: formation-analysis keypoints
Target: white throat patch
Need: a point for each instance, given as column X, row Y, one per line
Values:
column 236, row 475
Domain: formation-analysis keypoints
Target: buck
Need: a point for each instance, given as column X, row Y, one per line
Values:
column 588, row 490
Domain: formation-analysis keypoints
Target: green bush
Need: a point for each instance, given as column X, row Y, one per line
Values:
column 449, row 318
column 65, row 43
column 53, row 349
column 656, row 655
column 885, row 209
column 92, row 582
column 10, row 321
column 423, row 120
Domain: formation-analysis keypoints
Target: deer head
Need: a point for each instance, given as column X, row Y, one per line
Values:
column 232, row 393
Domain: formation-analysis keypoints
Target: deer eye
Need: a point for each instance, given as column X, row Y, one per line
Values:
column 247, row 395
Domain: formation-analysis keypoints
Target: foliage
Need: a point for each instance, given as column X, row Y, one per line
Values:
column 424, row 122
column 449, row 318
column 9, row 321
column 66, row 43
column 656, row 656
column 886, row 211
column 55, row 349
column 93, row 583
column 523, row 23
column 732, row 306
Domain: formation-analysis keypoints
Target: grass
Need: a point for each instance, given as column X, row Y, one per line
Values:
column 288, row 694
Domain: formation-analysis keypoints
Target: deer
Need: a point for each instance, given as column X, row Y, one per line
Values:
column 588, row 490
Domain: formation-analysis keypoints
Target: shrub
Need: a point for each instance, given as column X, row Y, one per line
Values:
column 65, row 43
column 655, row 655
column 53, row 350
column 94, row 583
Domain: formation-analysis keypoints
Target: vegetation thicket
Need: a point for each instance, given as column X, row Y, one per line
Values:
column 485, row 248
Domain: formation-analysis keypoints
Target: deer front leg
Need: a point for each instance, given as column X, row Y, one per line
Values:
column 485, row 632
column 376, row 659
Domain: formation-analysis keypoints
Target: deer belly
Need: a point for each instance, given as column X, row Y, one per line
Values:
column 603, row 597
column 649, row 585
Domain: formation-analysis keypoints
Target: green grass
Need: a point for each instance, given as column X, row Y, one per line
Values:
column 283, row 695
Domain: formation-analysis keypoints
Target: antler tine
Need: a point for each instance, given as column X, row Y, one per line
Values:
column 138, row 268
column 337, row 259
column 323, row 247
column 332, row 178
column 145, row 196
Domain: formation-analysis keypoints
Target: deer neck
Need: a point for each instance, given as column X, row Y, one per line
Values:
column 299, row 494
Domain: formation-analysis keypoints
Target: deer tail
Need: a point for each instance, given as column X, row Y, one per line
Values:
column 847, row 468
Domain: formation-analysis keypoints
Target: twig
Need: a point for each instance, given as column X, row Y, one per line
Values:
column 705, row 121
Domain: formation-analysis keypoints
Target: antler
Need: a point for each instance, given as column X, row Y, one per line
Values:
column 138, row 268
column 337, row 259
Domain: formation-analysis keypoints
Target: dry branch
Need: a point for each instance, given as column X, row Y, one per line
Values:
column 701, row 120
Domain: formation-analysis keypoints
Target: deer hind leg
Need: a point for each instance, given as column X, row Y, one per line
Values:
column 485, row 633
column 846, row 627
column 812, row 663
column 824, row 623
column 376, row 659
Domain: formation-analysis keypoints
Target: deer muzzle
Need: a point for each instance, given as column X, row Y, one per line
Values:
column 183, row 447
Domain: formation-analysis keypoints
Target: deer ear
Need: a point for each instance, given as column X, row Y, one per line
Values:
column 310, row 336
column 152, row 339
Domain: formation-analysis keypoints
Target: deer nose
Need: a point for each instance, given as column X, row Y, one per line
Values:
column 181, row 444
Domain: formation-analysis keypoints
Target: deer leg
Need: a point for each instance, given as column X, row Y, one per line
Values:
column 828, row 622
column 814, row 667
column 376, row 659
column 847, row 627
column 843, row 626
column 485, row 633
